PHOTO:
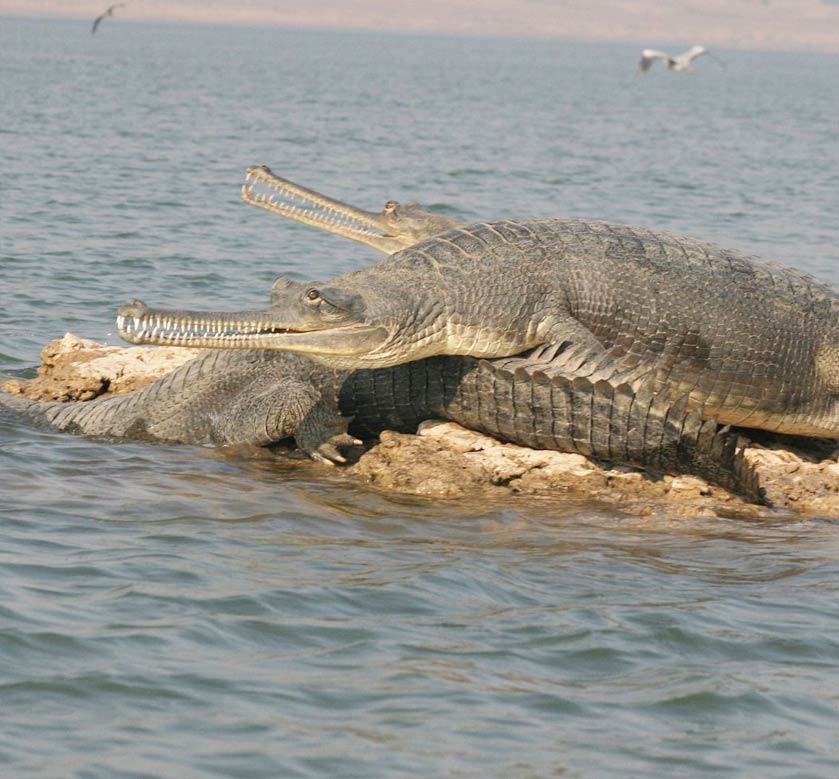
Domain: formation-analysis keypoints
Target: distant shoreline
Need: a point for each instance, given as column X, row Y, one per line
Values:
column 787, row 40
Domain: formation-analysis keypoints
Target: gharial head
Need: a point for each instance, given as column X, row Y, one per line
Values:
column 342, row 323
column 419, row 302
column 337, row 324
column 396, row 227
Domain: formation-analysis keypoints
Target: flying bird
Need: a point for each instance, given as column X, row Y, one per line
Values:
column 110, row 12
column 680, row 63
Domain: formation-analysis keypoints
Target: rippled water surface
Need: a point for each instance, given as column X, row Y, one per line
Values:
column 183, row 612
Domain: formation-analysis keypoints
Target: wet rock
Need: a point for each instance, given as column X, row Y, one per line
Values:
column 445, row 460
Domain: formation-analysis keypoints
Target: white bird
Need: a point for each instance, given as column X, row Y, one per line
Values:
column 110, row 12
column 681, row 62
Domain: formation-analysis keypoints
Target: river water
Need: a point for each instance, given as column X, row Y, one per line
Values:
column 176, row 612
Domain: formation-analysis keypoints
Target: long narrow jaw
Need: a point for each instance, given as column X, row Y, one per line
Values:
column 139, row 324
column 325, row 213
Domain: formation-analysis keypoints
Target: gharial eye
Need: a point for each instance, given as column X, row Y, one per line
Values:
column 313, row 294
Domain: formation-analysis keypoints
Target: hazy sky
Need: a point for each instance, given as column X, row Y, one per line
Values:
column 771, row 24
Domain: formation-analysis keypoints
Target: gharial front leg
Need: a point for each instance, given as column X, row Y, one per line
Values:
column 322, row 433
column 290, row 407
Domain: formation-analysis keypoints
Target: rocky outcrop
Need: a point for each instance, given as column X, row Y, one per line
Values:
column 445, row 460
column 74, row 368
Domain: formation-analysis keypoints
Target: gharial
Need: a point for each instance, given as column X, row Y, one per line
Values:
column 734, row 339
column 749, row 343
column 261, row 396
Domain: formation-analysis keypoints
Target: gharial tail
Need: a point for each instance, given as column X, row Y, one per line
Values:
column 643, row 428
column 614, row 422
column 45, row 412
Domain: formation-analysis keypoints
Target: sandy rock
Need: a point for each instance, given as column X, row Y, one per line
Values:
column 411, row 464
column 797, row 480
column 445, row 460
column 75, row 368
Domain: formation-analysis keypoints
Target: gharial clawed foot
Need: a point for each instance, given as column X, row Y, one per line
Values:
column 322, row 432
column 329, row 452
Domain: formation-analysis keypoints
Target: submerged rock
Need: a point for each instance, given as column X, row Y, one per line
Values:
column 444, row 460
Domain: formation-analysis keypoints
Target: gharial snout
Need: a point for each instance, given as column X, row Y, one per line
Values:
column 137, row 323
column 340, row 345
